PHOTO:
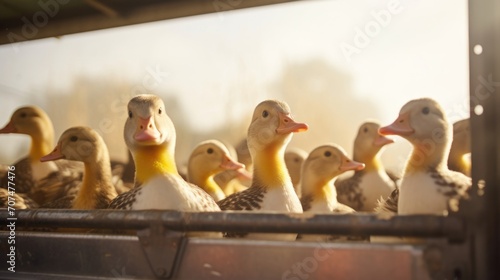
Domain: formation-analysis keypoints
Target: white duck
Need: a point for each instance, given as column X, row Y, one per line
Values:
column 427, row 186
column 96, row 190
column 207, row 159
column 269, row 133
column 150, row 136
column 365, row 187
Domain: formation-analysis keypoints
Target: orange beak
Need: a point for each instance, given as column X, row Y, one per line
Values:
column 8, row 128
column 348, row 164
column 401, row 126
column 381, row 140
column 146, row 130
column 288, row 125
column 229, row 164
column 55, row 154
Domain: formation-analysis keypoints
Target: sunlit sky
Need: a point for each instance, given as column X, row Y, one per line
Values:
column 421, row 51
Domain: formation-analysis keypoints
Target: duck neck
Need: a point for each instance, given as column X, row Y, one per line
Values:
column 328, row 192
column 41, row 145
column 96, row 181
column 270, row 168
column 372, row 163
column 428, row 155
column 318, row 186
column 209, row 185
column 153, row 160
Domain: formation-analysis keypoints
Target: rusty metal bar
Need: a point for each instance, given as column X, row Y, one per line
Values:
column 356, row 224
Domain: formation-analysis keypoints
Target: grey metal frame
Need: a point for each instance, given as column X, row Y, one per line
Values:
column 465, row 245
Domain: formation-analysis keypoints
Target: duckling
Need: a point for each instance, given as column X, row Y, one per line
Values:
column 207, row 159
column 150, row 136
column 294, row 157
column 460, row 147
column 19, row 200
column 319, row 172
column 365, row 187
column 269, row 133
column 96, row 190
column 34, row 122
column 427, row 186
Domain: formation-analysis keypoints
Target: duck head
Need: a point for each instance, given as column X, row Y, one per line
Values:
column 32, row 121
column 369, row 142
column 272, row 126
column 324, row 164
column 79, row 144
column 148, row 124
column 424, row 124
column 209, row 158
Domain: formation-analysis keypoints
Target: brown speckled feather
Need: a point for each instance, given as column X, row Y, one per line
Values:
column 56, row 185
column 22, row 201
column 453, row 185
column 23, row 177
column 125, row 200
column 349, row 192
column 207, row 202
column 248, row 199
column 390, row 204
column 66, row 202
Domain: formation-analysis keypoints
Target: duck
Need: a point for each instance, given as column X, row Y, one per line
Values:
column 207, row 159
column 362, row 190
column 18, row 200
column 271, row 190
column 294, row 157
column 150, row 136
column 428, row 186
column 96, row 189
column 34, row 122
column 460, row 147
column 319, row 172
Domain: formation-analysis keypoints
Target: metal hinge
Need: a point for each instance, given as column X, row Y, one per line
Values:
column 163, row 249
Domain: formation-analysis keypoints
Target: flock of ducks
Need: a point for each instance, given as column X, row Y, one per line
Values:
column 76, row 173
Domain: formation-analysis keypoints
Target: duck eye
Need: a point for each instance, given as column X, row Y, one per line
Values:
column 328, row 154
column 159, row 111
column 23, row 115
column 365, row 130
column 130, row 114
column 426, row 110
column 210, row 150
column 265, row 113
column 73, row 138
